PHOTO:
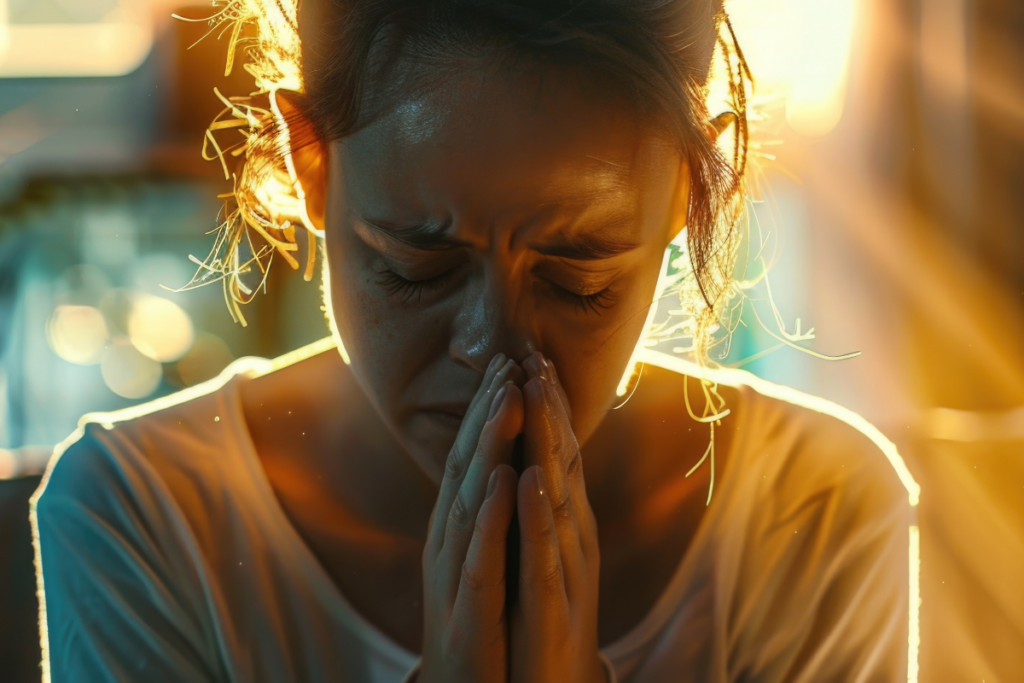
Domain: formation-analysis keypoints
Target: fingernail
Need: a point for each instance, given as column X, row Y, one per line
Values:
column 496, row 362
column 540, row 481
column 496, row 403
column 492, row 484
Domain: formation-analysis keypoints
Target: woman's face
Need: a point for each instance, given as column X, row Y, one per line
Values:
column 496, row 214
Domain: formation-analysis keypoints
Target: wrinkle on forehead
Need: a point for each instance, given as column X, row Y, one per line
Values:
column 489, row 145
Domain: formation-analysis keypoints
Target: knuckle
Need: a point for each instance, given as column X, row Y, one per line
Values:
column 453, row 466
column 575, row 465
column 550, row 579
column 562, row 511
column 459, row 515
column 471, row 578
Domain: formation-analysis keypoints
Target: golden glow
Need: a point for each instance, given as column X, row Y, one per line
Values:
column 800, row 49
column 949, row 424
column 267, row 198
column 914, row 638
column 159, row 328
column 78, row 334
column 112, row 48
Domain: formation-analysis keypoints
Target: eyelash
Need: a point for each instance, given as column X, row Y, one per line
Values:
column 585, row 303
column 405, row 290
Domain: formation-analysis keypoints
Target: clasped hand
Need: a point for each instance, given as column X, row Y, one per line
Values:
column 551, row 632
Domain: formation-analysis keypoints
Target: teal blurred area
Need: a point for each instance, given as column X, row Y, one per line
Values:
column 103, row 198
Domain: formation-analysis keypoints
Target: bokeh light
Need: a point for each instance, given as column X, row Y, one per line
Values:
column 8, row 464
column 129, row 373
column 77, row 334
column 159, row 328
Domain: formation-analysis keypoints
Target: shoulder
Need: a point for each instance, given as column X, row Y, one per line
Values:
column 791, row 446
column 132, row 450
column 174, row 458
column 805, row 446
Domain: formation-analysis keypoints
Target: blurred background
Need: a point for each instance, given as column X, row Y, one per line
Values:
column 892, row 172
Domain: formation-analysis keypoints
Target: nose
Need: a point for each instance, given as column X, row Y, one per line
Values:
column 492, row 319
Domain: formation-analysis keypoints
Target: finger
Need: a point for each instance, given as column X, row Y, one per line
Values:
column 577, row 482
column 465, row 443
column 561, row 389
column 551, row 444
column 548, row 440
column 457, row 451
column 542, row 593
column 493, row 449
column 481, row 593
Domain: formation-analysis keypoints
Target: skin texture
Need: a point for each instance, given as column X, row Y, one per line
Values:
column 530, row 212
column 514, row 171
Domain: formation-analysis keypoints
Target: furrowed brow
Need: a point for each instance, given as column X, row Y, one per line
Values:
column 585, row 247
column 429, row 236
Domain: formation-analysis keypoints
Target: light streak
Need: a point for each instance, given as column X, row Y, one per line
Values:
column 914, row 638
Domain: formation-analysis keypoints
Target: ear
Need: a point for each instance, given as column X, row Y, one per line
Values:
column 309, row 159
column 311, row 168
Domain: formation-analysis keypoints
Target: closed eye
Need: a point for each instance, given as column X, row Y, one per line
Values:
column 411, row 291
column 584, row 303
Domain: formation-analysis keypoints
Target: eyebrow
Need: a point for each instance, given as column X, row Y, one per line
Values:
column 585, row 247
column 433, row 236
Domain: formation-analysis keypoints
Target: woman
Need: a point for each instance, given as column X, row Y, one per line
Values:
column 496, row 183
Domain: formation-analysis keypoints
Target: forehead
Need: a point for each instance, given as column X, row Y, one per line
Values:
column 488, row 143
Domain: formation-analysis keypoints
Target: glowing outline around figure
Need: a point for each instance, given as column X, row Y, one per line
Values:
column 726, row 376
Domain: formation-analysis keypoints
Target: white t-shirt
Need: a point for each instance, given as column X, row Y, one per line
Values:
column 164, row 556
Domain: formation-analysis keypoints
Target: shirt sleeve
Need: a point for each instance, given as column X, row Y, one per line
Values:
column 117, row 589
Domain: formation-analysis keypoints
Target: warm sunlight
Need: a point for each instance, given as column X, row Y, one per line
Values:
column 800, row 49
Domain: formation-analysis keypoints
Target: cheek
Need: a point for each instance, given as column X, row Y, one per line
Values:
column 591, row 362
column 385, row 346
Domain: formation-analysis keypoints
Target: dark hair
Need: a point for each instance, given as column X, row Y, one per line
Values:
column 657, row 53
